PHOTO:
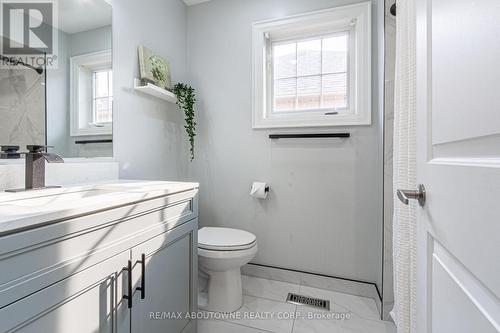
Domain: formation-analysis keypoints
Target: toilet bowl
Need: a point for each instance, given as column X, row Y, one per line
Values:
column 221, row 253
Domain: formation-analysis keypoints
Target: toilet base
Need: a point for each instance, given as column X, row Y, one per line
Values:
column 225, row 293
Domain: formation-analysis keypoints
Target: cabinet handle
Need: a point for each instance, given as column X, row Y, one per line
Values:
column 142, row 288
column 129, row 282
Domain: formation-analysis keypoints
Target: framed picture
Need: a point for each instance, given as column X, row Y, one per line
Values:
column 154, row 69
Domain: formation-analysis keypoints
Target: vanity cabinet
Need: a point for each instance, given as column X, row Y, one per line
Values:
column 165, row 266
column 81, row 303
column 123, row 270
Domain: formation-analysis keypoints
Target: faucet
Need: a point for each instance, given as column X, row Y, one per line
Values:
column 35, row 167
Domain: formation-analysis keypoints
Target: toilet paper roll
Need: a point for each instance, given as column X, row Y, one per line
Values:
column 259, row 190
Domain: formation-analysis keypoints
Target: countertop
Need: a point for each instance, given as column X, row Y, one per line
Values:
column 25, row 210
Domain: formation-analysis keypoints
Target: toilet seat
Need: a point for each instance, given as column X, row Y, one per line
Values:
column 225, row 239
column 228, row 254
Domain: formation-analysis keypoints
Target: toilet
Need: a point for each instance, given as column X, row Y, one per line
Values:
column 221, row 254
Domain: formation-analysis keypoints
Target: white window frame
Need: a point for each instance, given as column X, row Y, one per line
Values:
column 356, row 19
column 81, row 69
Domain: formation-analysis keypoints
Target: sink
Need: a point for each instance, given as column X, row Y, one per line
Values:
column 48, row 201
column 57, row 198
column 27, row 209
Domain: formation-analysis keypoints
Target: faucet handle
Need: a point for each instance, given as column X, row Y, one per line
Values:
column 37, row 148
column 9, row 152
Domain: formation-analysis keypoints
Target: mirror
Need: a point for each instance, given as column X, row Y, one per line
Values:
column 67, row 104
column 79, row 91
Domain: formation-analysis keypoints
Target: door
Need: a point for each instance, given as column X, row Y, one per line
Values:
column 168, row 279
column 82, row 303
column 458, row 161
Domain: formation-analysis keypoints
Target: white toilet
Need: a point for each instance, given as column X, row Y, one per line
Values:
column 221, row 253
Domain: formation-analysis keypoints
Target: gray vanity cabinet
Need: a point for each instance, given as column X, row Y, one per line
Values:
column 169, row 283
column 82, row 303
column 58, row 282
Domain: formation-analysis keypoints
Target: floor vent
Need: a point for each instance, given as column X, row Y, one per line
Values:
column 308, row 301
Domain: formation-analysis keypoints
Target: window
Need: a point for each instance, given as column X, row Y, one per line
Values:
column 311, row 74
column 102, row 96
column 313, row 69
column 91, row 94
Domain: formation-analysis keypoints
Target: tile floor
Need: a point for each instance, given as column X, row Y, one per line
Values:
column 265, row 310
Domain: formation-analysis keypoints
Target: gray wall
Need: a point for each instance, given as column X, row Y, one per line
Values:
column 324, row 213
column 90, row 41
column 148, row 133
column 58, row 93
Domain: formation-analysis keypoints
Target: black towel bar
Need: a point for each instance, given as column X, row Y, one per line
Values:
column 84, row 142
column 310, row 135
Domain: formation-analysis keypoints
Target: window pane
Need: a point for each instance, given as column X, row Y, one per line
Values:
column 103, row 110
column 334, row 91
column 101, row 84
column 285, row 61
column 285, row 87
column 335, row 54
column 309, row 57
column 311, row 74
column 308, row 92
column 285, row 91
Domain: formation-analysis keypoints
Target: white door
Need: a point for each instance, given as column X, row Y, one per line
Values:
column 458, row 149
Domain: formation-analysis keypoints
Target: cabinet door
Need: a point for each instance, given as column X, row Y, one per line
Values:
column 82, row 303
column 170, row 281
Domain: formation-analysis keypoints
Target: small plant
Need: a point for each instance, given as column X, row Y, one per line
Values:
column 185, row 101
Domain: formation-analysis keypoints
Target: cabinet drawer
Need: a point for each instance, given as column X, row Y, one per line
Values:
column 85, row 302
column 67, row 247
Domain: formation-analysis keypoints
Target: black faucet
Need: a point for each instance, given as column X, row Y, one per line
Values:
column 35, row 167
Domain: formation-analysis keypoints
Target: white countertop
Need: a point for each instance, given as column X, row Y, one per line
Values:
column 22, row 210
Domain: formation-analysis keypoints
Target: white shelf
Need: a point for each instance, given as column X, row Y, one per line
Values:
column 156, row 91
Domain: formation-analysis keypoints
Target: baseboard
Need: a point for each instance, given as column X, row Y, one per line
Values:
column 347, row 286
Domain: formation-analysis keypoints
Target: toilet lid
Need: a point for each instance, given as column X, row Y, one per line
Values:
column 211, row 238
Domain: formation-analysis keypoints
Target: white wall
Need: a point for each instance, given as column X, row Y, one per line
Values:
column 148, row 134
column 324, row 213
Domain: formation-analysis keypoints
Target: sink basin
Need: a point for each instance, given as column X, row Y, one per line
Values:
column 48, row 201
column 57, row 198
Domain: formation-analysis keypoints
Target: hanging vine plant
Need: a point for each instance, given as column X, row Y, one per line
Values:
column 185, row 100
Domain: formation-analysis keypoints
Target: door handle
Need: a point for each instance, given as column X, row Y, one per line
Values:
column 142, row 288
column 406, row 195
column 129, row 295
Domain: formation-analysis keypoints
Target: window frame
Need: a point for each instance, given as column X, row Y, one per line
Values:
column 356, row 20
column 81, row 87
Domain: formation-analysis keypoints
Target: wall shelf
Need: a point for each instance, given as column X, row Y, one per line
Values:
column 155, row 91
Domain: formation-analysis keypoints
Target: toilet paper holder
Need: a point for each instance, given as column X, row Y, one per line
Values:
column 266, row 189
